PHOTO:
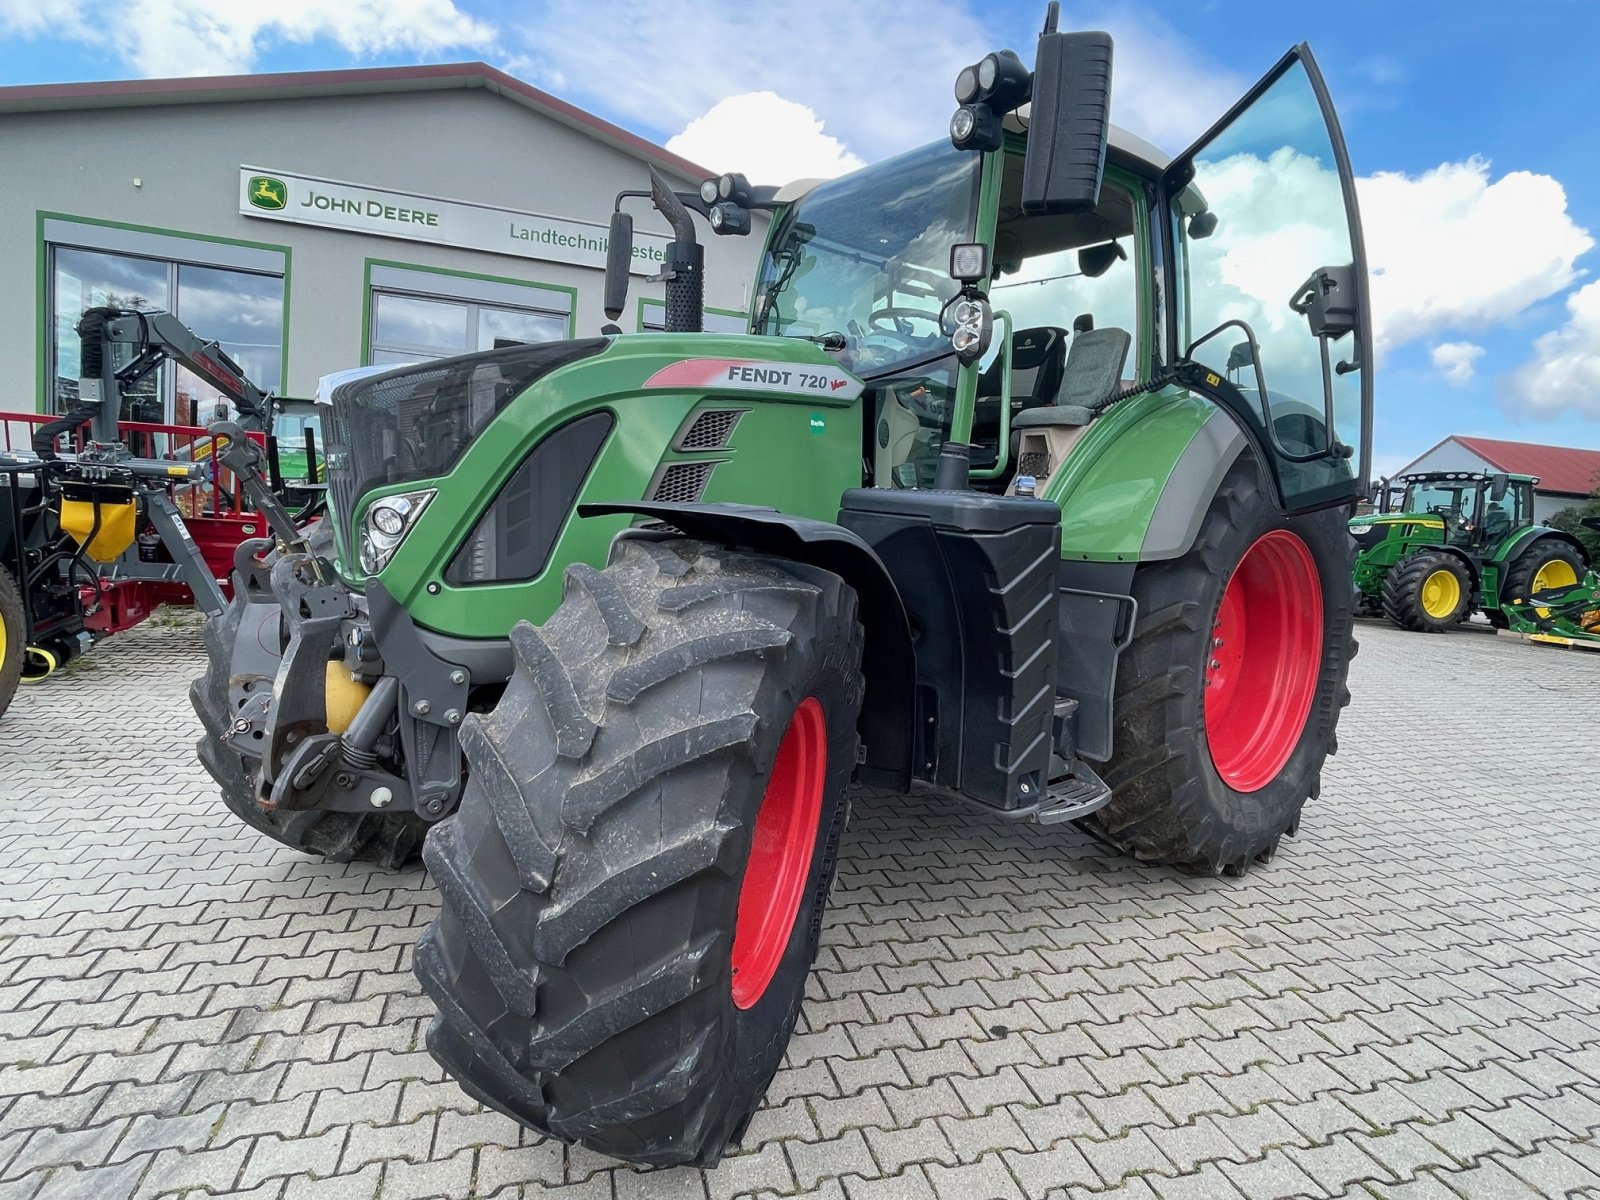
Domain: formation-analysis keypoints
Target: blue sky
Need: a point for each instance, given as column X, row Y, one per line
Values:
column 1484, row 113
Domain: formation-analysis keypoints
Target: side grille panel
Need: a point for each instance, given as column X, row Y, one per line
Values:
column 681, row 482
column 709, row 429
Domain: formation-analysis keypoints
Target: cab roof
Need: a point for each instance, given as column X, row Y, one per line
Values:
column 1463, row 477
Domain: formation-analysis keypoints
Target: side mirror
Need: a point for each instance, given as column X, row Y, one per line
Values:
column 1066, row 155
column 1328, row 301
column 619, row 258
column 1095, row 261
column 1202, row 225
column 1499, row 485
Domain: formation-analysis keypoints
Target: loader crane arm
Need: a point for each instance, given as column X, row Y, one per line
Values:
column 156, row 337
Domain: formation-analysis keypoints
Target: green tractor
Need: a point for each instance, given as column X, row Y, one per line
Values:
column 992, row 502
column 1459, row 542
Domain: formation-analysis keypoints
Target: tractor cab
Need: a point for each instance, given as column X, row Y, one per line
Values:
column 1473, row 509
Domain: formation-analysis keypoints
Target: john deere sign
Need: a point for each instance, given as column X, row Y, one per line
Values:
column 307, row 200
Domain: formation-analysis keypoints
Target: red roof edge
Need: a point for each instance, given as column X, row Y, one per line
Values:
column 1565, row 470
column 45, row 97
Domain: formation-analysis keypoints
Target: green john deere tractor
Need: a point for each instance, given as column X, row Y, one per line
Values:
column 994, row 501
column 1459, row 542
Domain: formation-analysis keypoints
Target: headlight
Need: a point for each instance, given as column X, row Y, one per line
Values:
column 386, row 524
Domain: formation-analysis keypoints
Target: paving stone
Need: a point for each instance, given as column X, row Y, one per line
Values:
column 1406, row 1001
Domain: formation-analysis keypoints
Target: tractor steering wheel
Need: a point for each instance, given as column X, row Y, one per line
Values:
column 879, row 322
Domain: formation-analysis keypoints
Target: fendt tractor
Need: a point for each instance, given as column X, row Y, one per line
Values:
column 1027, row 486
column 1460, row 542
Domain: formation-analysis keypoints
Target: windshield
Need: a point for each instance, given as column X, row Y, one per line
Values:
column 867, row 257
column 1453, row 501
column 292, row 426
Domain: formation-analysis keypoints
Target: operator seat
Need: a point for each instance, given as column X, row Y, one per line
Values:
column 1038, row 360
column 1496, row 520
column 1044, row 436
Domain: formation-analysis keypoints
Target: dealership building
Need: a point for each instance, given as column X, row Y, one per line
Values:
column 316, row 221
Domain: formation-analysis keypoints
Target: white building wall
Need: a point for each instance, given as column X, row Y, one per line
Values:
column 461, row 144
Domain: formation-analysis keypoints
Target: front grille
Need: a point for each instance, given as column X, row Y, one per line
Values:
column 681, row 483
column 709, row 430
column 342, row 498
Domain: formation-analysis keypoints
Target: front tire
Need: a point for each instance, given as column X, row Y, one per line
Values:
column 633, row 885
column 1227, row 700
column 1428, row 592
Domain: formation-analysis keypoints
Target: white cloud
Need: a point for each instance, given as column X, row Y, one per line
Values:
column 1456, row 361
column 1564, row 373
column 768, row 138
column 208, row 37
column 1451, row 249
column 662, row 65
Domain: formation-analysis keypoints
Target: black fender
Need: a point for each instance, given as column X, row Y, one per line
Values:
column 888, row 661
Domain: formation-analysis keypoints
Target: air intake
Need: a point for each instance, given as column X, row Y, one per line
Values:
column 709, row 430
column 681, row 483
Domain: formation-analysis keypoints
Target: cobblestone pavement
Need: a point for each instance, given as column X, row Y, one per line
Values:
column 1405, row 1003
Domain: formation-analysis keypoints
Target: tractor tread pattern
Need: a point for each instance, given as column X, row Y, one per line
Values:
column 1162, row 809
column 1402, row 591
column 578, row 1001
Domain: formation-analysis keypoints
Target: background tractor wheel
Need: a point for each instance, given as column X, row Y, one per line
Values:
column 13, row 623
column 390, row 840
column 1227, row 700
column 1427, row 592
column 1546, row 564
column 633, row 885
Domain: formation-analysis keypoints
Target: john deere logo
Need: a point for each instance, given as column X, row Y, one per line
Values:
column 267, row 192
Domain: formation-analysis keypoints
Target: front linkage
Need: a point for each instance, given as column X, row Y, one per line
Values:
column 312, row 753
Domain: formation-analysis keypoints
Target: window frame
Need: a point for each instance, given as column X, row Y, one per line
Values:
column 452, row 286
column 173, row 248
column 650, row 302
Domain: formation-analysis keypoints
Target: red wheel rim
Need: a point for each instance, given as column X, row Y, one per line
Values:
column 1265, row 656
column 780, row 854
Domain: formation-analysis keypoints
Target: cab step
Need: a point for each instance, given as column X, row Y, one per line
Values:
column 1072, row 796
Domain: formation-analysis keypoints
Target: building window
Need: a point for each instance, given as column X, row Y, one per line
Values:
column 419, row 314
column 653, row 318
column 231, row 293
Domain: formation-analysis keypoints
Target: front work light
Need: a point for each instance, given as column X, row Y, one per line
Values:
column 969, row 262
column 970, row 323
column 385, row 525
column 967, row 85
column 1004, row 83
column 976, row 127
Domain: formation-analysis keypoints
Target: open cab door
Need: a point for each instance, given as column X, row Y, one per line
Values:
column 1268, row 282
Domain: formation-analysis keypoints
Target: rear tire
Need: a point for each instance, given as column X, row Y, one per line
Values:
column 1428, row 592
column 597, row 972
column 1171, row 801
column 390, row 840
column 13, row 631
column 1547, row 557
